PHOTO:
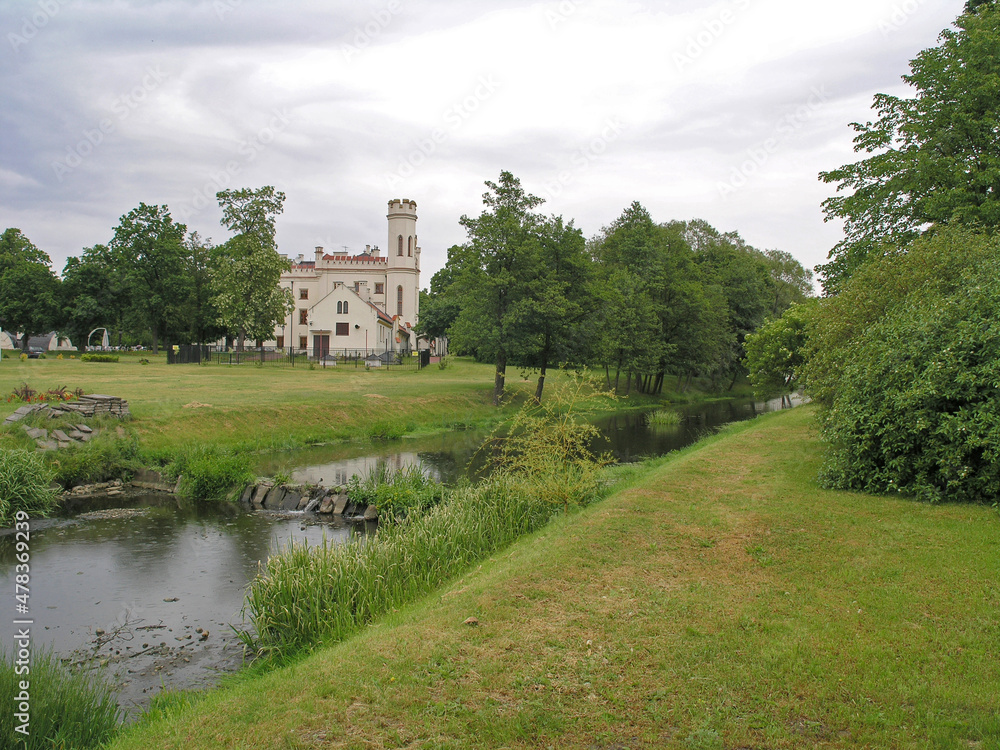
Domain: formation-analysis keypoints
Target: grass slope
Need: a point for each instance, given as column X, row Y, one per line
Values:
column 264, row 407
column 720, row 600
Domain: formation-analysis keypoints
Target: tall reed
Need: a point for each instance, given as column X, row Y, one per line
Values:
column 67, row 709
column 308, row 595
column 24, row 485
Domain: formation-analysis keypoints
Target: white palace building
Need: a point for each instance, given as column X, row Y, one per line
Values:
column 357, row 302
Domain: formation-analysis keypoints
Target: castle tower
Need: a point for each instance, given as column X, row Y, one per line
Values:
column 402, row 262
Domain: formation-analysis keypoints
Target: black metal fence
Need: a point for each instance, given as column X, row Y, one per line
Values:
column 266, row 356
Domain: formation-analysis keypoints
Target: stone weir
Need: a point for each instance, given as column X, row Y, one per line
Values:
column 311, row 499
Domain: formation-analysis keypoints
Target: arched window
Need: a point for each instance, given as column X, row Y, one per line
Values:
column 345, row 307
column 399, row 248
column 399, row 300
column 340, row 306
column 409, row 246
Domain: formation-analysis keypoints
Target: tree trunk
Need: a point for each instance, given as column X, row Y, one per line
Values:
column 541, row 373
column 607, row 377
column 240, row 339
column 736, row 374
column 156, row 342
column 498, row 381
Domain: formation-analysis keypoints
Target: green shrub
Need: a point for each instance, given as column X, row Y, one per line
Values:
column 386, row 429
column 396, row 493
column 663, row 418
column 915, row 406
column 24, row 485
column 105, row 457
column 97, row 357
column 211, row 473
column 68, row 709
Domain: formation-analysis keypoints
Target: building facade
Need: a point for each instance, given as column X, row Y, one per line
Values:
column 365, row 302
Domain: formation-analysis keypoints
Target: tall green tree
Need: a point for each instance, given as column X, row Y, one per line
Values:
column 560, row 299
column 29, row 290
column 93, row 294
column 148, row 249
column 494, row 273
column 439, row 307
column 933, row 159
column 247, row 268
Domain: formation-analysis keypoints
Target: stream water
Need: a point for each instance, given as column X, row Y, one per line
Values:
column 154, row 587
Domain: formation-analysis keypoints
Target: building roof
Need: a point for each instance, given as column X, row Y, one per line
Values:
column 381, row 313
column 364, row 258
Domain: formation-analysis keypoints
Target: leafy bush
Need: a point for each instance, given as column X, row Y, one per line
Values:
column 24, row 485
column 912, row 399
column 97, row 357
column 396, row 493
column 547, row 446
column 775, row 353
column 663, row 418
column 105, row 457
column 386, row 429
column 68, row 710
column 211, row 473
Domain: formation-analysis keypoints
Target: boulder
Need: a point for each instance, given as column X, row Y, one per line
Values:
column 291, row 501
column 327, row 505
column 274, row 498
column 340, row 504
column 371, row 513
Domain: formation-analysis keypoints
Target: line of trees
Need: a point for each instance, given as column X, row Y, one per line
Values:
column 642, row 300
column 154, row 282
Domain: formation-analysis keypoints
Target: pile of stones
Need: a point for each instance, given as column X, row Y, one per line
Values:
column 86, row 406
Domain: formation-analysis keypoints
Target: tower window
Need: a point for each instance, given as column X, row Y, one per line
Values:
column 399, row 246
column 409, row 246
column 399, row 300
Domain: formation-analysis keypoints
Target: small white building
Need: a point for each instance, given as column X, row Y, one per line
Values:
column 364, row 302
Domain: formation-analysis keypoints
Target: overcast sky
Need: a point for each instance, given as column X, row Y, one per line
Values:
column 724, row 111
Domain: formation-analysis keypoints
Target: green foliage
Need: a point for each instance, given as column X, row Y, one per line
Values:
column 68, row 709
column 774, row 353
column 443, row 363
column 105, row 457
column 29, row 290
column 388, row 429
column 663, row 418
column 149, row 258
column 932, row 159
column 546, row 447
column 98, row 357
column 211, row 472
column 247, row 268
column 395, row 493
column 911, row 378
column 24, row 485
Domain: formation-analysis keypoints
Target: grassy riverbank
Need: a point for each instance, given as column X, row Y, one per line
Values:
column 719, row 599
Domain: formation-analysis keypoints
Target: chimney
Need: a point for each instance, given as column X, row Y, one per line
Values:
column 368, row 249
column 319, row 253
column 300, row 259
column 376, row 251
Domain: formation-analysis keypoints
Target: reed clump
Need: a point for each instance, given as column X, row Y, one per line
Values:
column 663, row 418
column 24, row 485
column 67, row 709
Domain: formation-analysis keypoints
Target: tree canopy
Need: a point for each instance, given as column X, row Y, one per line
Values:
column 933, row 159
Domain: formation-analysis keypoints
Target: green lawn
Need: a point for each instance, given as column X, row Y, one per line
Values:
column 176, row 405
column 719, row 599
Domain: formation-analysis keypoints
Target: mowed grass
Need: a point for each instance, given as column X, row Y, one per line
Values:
column 266, row 407
column 719, row 599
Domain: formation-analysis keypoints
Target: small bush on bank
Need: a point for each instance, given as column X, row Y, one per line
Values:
column 24, row 485
column 396, row 493
column 67, row 709
column 105, row 457
column 386, row 429
column 210, row 472
column 97, row 357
